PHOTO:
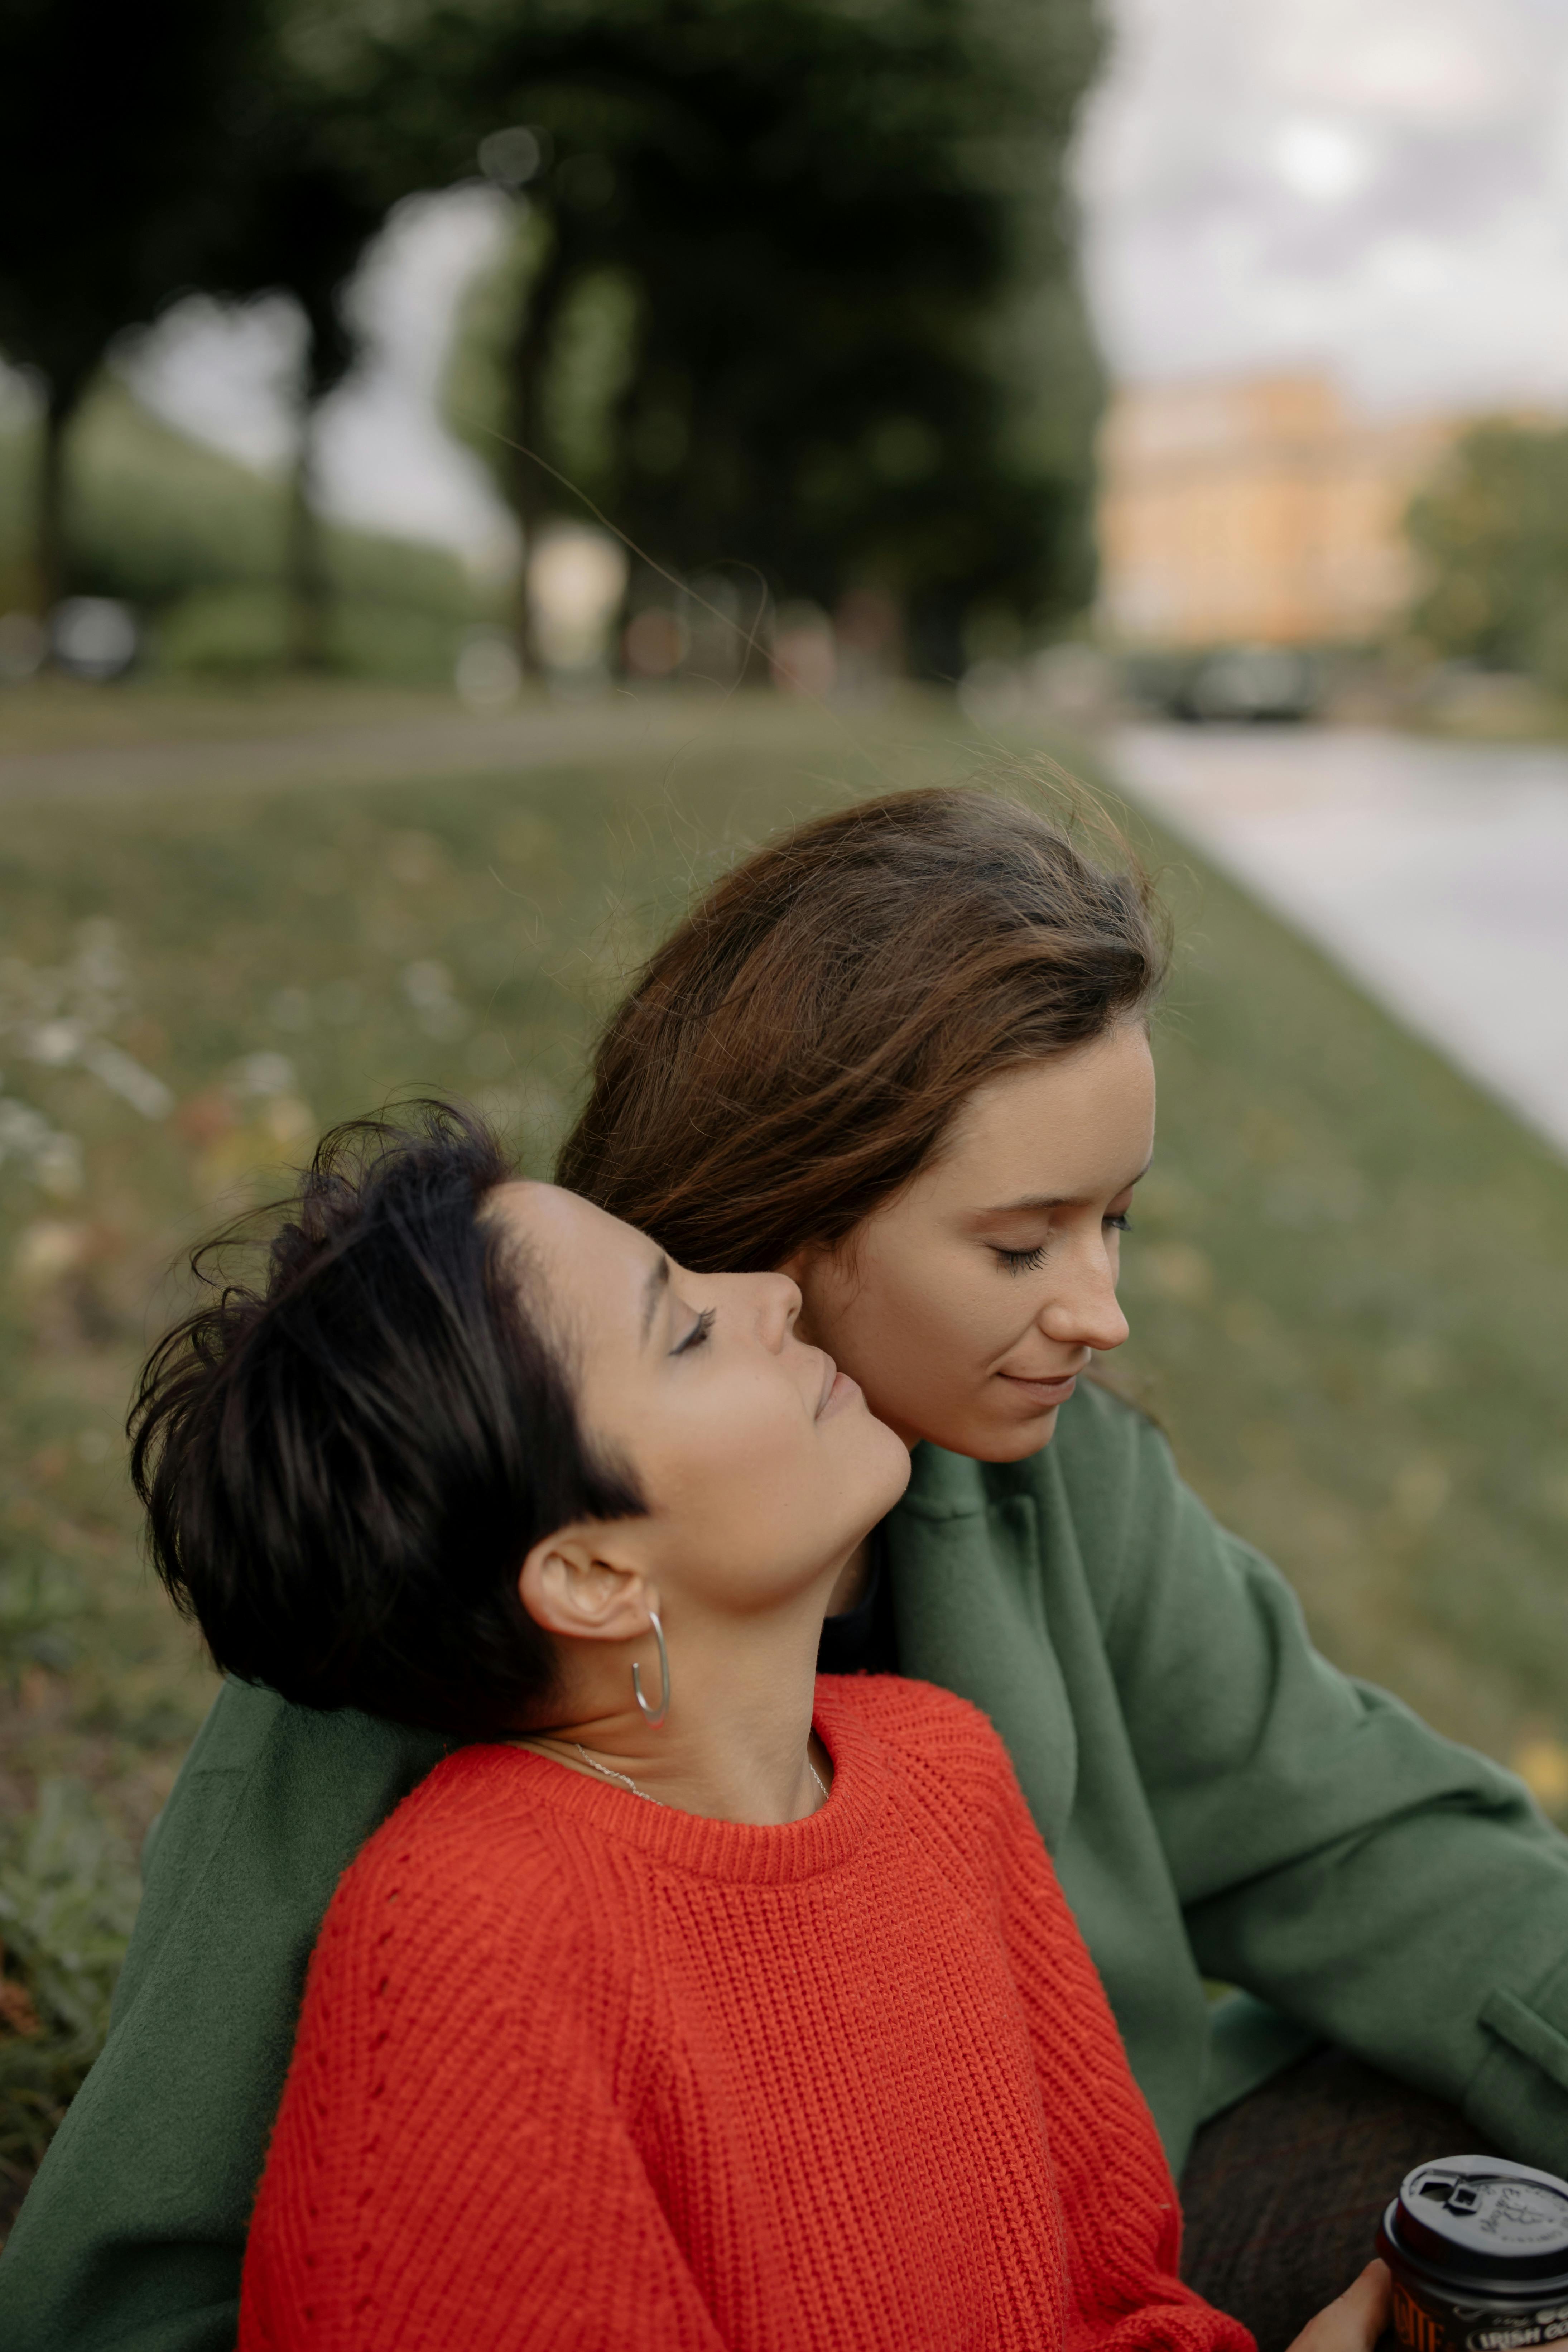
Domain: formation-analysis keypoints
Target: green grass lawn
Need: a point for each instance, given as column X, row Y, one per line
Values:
column 1348, row 1277
column 1349, row 1294
column 63, row 714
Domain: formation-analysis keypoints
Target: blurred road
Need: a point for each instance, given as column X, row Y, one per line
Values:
column 457, row 743
column 1437, row 874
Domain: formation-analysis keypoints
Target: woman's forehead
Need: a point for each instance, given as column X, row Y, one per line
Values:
column 589, row 1260
column 1060, row 1126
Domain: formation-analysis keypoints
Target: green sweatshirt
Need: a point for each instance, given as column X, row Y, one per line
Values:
column 1219, row 1801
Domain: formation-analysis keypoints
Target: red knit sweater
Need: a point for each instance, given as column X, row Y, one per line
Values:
column 577, row 2073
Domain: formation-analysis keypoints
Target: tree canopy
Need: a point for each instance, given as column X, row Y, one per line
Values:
column 118, row 130
column 1491, row 535
column 144, row 153
column 793, row 284
column 795, row 287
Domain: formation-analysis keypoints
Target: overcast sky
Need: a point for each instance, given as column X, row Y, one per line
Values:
column 1375, row 186
column 1379, row 186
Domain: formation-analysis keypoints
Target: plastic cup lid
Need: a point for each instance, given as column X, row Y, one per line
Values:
column 1484, row 2216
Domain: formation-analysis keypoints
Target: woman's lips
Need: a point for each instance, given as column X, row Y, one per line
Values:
column 837, row 1389
column 1042, row 1392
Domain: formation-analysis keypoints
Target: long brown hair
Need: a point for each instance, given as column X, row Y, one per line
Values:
column 797, row 1048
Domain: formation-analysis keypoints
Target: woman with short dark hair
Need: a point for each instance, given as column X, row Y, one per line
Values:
column 684, row 2005
column 901, row 1052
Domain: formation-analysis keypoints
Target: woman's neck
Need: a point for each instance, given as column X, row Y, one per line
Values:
column 737, row 1743
column 849, row 1587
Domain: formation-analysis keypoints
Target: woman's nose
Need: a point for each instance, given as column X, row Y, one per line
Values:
column 1085, row 1312
column 778, row 1306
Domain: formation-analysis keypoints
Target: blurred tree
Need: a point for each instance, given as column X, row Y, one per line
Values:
column 144, row 153
column 1492, row 537
column 792, row 283
column 198, row 540
column 303, row 209
column 118, row 148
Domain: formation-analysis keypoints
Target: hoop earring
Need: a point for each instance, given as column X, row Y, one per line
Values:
column 654, row 1716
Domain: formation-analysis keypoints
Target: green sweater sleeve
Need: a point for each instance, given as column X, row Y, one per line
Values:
column 132, row 2236
column 1392, row 1891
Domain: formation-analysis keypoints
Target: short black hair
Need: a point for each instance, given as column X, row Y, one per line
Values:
column 346, row 1462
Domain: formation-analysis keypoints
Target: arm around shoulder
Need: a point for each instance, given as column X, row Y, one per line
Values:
column 134, row 2230
column 1393, row 1890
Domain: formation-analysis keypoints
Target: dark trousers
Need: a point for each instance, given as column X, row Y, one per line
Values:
column 1282, row 2193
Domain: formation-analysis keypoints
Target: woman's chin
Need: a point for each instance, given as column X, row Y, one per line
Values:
column 870, row 1461
column 895, row 1463
column 991, row 1437
column 1003, row 1423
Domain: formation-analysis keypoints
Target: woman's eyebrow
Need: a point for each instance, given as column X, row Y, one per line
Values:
column 1032, row 1201
column 1056, row 1200
column 653, row 1290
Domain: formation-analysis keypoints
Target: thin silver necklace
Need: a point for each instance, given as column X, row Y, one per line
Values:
column 627, row 1781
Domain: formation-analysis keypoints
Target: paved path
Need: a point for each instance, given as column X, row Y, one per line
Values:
column 1436, row 873
column 461, row 744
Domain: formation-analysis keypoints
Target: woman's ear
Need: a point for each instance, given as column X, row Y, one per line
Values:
column 570, row 1587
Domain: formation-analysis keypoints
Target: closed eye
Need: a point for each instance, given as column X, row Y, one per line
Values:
column 698, row 1335
column 1030, row 1261
column 1027, row 1261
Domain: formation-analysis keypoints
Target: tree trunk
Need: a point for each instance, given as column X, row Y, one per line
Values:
column 307, row 583
column 51, row 559
column 532, row 489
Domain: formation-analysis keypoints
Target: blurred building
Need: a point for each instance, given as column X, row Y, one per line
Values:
column 1257, row 509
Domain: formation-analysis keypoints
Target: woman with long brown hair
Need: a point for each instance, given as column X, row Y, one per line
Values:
column 902, row 1053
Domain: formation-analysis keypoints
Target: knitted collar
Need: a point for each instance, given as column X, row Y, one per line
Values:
column 743, row 1853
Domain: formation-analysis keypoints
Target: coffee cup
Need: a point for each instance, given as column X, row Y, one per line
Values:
column 1477, row 2248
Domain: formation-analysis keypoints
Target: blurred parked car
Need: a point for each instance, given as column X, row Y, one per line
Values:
column 93, row 637
column 1238, row 684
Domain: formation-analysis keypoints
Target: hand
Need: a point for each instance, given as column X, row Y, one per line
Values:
column 1354, row 2320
